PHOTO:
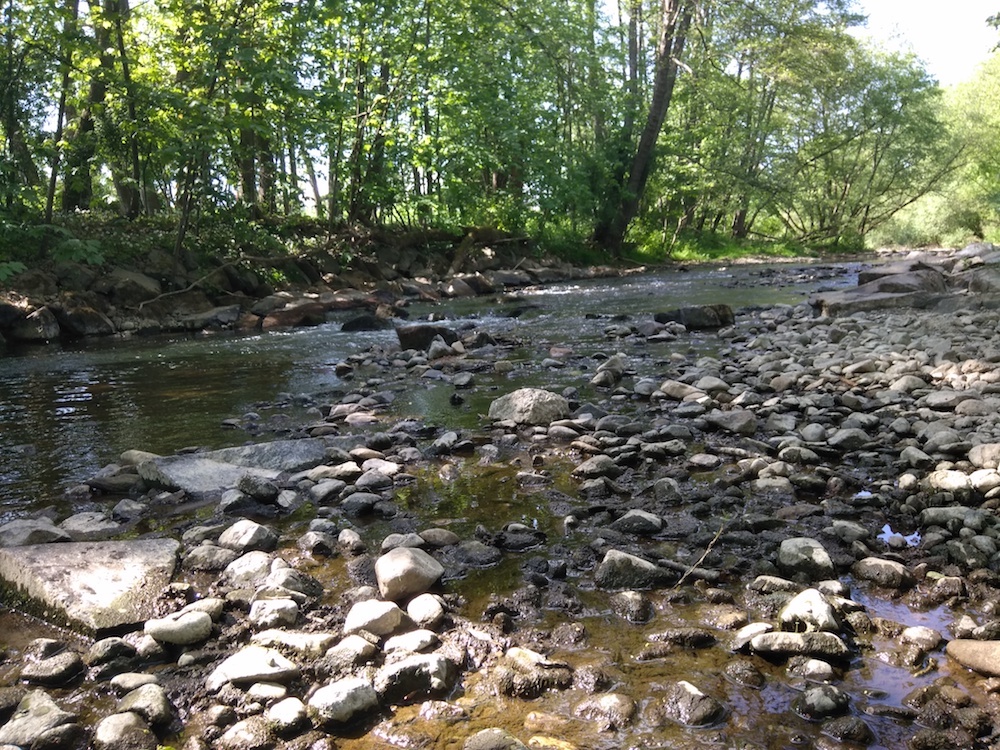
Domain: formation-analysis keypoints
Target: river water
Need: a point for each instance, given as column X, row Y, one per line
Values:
column 68, row 409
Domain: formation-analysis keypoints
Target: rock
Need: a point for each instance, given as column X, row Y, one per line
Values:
column 28, row 531
column 180, row 628
column 885, row 573
column 36, row 715
column 406, row 571
column 211, row 472
column 810, row 610
column 41, row 325
column 620, row 570
column 249, row 569
column 821, row 702
column 54, row 671
column 124, row 731
column 246, row 536
column 849, row 730
column 126, row 682
column 824, row 645
column 287, row 716
column 699, row 317
column 493, row 739
column 426, row 610
column 526, row 674
column 805, row 556
column 131, row 288
column 301, row 585
column 274, row 613
column 683, row 703
column 90, row 526
column 529, row 406
column 376, row 617
column 632, row 606
column 306, row 645
column 252, row 664
column 252, row 733
column 611, row 711
column 97, row 585
column 415, row 678
column 341, row 701
column 985, row 456
column 737, row 421
column 980, row 656
column 412, row 642
column 151, row 703
column 639, row 522
column 351, row 652
column 598, row 466
column 78, row 319
column 848, row 439
column 420, row 337
column 365, row 322
column 209, row 557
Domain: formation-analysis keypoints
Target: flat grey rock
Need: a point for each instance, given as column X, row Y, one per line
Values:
column 213, row 471
column 93, row 585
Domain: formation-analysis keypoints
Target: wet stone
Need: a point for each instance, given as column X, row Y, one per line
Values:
column 493, row 739
column 611, row 711
column 56, row 670
column 821, row 702
column 683, row 703
column 123, row 731
column 36, row 715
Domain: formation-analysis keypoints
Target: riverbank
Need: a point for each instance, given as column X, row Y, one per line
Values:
column 770, row 545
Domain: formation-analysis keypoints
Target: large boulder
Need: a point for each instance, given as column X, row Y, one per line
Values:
column 529, row 406
column 41, row 325
column 94, row 585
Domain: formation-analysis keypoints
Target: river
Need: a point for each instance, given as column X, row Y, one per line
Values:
column 69, row 408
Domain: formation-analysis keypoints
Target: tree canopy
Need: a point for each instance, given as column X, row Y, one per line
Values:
column 627, row 124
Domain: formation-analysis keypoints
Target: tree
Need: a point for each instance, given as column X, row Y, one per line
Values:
column 675, row 22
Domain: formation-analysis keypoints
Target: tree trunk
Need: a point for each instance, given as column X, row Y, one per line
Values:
column 674, row 24
column 73, row 12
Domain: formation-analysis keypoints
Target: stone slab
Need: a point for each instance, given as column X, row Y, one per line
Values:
column 211, row 472
column 94, row 586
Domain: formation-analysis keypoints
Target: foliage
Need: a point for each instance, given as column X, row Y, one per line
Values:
column 214, row 126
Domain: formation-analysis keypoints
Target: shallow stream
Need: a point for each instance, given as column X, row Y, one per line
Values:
column 66, row 410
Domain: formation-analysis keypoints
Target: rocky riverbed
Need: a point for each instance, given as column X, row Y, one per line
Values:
column 790, row 543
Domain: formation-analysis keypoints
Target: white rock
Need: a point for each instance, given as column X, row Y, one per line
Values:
column 810, row 610
column 274, row 613
column 374, row 616
column 406, row 571
column 249, row 569
column 246, row 535
column 252, row 664
column 343, row 700
column 180, row 628
column 426, row 610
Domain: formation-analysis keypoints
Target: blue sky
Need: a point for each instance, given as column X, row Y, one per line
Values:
column 952, row 38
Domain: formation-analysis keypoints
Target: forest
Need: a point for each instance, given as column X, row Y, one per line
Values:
column 642, row 127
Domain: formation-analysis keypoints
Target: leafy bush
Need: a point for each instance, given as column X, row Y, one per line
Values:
column 10, row 268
